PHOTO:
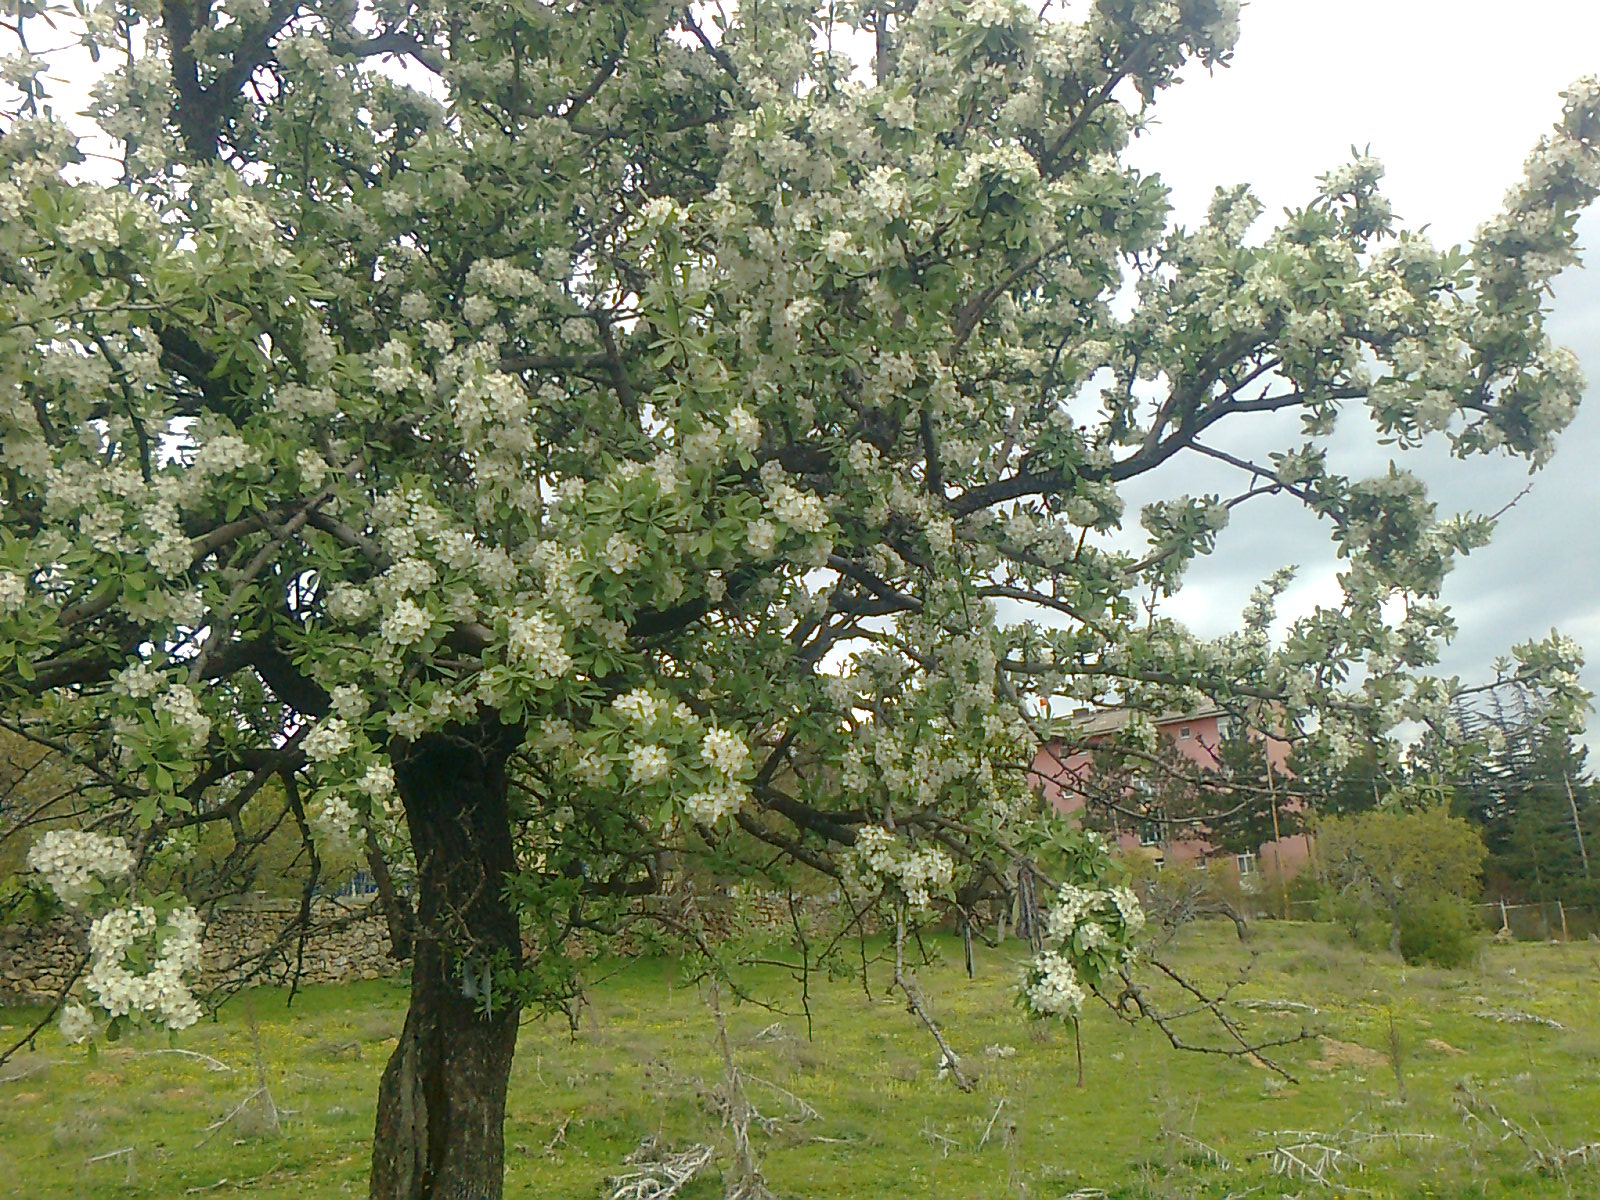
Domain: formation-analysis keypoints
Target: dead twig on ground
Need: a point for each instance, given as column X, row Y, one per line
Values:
column 1512, row 1016
column 211, row 1064
column 658, row 1178
column 989, row 1128
column 1546, row 1158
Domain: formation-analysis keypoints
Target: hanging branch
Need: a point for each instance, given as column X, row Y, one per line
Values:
column 914, row 1003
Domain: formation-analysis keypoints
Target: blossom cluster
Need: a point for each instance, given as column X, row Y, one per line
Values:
column 915, row 874
column 77, row 862
column 1089, row 932
column 161, row 992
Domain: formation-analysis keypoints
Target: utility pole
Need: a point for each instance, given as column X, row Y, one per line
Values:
column 1277, row 837
column 1577, row 826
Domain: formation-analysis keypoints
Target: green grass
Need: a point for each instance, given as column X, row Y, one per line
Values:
column 1151, row 1122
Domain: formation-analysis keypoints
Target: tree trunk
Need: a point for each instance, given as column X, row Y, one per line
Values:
column 442, row 1101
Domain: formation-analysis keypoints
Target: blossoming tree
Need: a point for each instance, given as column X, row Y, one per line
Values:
column 532, row 439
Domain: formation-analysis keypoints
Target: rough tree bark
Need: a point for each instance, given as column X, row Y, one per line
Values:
column 441, row 1104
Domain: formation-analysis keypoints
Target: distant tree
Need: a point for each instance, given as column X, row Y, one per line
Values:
column 1353, row 785
column 1257, row 799
column 1543, row 848
column 1397, row 857
column 1516, row 770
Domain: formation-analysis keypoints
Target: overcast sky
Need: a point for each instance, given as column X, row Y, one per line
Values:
column 1451, row 96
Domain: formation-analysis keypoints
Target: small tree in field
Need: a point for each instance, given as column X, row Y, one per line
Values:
column 1400, row 860
column 531, row 442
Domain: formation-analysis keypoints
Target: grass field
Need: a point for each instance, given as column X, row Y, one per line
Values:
column 1150, row 1122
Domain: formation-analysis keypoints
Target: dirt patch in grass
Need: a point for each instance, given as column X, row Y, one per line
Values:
column 1336, row 1054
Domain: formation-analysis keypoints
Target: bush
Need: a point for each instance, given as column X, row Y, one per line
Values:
column 1442, row 931
column 1367, row 925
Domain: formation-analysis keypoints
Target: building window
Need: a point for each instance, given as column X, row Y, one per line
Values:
column 1222, row 727
column 1185, row 733
column 1247, row 865
column 1202, row 864
column 1153, row 831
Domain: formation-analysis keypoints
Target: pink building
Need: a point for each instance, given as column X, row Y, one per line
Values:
column 1063, row 772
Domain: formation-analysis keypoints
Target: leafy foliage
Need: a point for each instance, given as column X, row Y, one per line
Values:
column 619, row 438
column 1415, row 867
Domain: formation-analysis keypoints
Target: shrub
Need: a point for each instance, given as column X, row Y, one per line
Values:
column 1442, row 931
column 1367, row 924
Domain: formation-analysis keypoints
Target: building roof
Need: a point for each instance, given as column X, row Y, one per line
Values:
column 1094, row 722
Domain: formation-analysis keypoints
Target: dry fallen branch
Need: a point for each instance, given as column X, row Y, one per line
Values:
column 1512, row 1016
column 659, row 1178
column 1548, row 1158
column 1210, row 1153
column 559, row 1138
column 1278, row 1006
column 989, row 1128
column 267, row 1106
column 938, row 1139
column 119, row 1152
column 210, row 1064
column 1315, row 1159
column 738, row 1113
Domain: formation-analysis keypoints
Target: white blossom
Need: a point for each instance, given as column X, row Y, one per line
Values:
column 179, row 703
column 377, row 781
column 313, row 469
column 349, row 701
column 405, row 624
column 725, row 751
column 620, row 554
column 77, row 1023
column 1053, row 988
column 799, row 510
column 13, row 591
column 762, row 537
column 638, row 707
column 712, row 804
column 743, row 430
column 328, row 739
column 75, row 861
column 137, row 682
column 1129, row 907
column 535, row 641
column 592, row 768
column 648, row 764
column 161, row 992
column 917, row 873
column 337, row 821
column 349, row 604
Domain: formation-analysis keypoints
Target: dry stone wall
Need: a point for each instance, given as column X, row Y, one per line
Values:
column 349, row 940
column 346, row 940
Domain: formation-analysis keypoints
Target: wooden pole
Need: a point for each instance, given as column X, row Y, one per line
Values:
column 1562, row 909
column 1277, row 838
column 1577, row 826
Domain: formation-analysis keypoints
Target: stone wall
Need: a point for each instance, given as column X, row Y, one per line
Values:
column 348, row 939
